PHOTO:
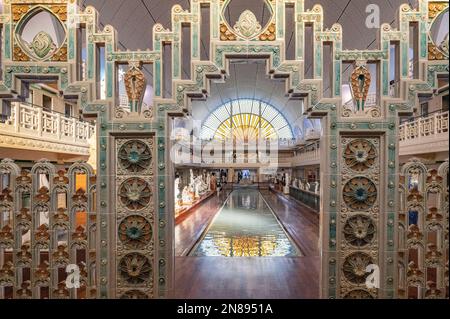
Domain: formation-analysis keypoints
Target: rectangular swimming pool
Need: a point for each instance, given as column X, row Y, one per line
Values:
column 245, row 227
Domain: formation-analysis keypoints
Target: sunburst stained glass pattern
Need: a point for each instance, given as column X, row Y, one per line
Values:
column 246, row 119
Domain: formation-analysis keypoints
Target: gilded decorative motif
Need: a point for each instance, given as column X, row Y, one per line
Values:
column 434, row 8
column 434, row 53
column 135, row 269
column 360, row 83
column 269, row 33
column 360, row 155
column 359, row 230
column 60, row 55
column 135, row 193
column 226, row 34
column 247, row 25
column 60, row 11
column 135, row 156
column 19, row 10
column 19, row 55
column 360, row 193
column 135, row 85
column 135, row 232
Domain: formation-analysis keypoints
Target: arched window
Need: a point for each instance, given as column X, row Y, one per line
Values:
column 246, row 119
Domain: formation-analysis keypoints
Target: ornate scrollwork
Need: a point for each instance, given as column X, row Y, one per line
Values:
column 360, row 193
column 61, row 179
column 359, row 230
column 24, row 256
column 354, row 267
column 247, row 25
column 42, row 236
column 135, row 193
column 61, row 256
column 43, row 195
column 135, row 231
column 360, row 155
column 42, row 45
column 134, row 294
column 42, row 275
column 135, row 156
column 79, row 237
column 135, row 269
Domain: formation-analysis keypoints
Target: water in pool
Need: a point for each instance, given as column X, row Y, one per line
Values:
column 245, row 227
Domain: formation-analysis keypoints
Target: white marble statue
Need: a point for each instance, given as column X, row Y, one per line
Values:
column 186, row 197
column 208, row 181
column 295, row 183
column 317, row 188
column 287, row 182
column 177, row 189
column 191, row 180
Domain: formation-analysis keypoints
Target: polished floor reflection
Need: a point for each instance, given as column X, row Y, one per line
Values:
column 245, row 227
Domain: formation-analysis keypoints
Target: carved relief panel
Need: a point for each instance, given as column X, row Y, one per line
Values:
column 135, row 220
column 359, row 213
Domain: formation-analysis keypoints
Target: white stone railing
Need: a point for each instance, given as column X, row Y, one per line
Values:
column 423, row 127
column 424, row 134
column 33, row 123
column 307, row 155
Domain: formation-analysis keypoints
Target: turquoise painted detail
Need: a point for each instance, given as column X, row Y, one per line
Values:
column 109, row 79
column 71, row 45
column 194, row 41
column 337, row 78
column 7, row 41
column 385, row 71
column 176, row 60
column 157, row 78
column 91, row 70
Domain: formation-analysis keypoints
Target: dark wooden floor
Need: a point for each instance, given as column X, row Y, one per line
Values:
column 245, row 278
column 254, row 277
column 301, row 222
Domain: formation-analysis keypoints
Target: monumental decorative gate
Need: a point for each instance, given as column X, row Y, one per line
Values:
column 128, row 236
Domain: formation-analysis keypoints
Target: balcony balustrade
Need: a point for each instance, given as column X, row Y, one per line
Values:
column 31, row 128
